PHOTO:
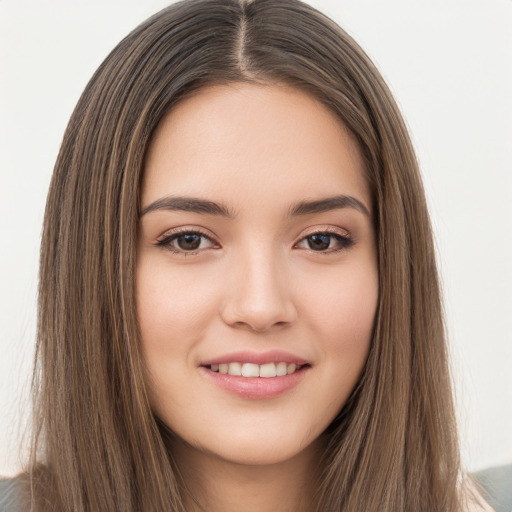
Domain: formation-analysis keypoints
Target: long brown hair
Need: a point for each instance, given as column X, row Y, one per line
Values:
column 97, row 445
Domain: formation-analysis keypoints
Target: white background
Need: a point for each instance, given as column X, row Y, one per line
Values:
column 449, row 64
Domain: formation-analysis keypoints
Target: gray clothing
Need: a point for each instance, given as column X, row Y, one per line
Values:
column 496, row 486
column 9, row 495
column 494, row 483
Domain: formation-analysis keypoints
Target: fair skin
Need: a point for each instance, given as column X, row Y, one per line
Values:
column 279, row 275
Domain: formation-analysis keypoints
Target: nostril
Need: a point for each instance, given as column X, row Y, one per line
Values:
column 255, row 327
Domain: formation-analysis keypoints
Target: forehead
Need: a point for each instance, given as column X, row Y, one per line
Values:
column 237, row 142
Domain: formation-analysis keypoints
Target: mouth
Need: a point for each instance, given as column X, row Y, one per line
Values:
column 250, row 375
column 252, row 370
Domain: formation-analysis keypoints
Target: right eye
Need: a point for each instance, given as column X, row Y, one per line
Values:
column 186, row 242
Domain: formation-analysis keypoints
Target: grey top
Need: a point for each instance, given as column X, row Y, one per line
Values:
column 496, row 486
column 9, row 495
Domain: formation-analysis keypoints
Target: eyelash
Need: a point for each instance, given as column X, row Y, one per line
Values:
column 345, row 241
column 167, row 241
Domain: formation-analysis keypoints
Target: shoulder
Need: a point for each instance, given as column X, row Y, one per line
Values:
column 483, row 498
column 495, row 484
column 10, row 494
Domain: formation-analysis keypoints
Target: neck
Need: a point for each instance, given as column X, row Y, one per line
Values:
column 213, row 484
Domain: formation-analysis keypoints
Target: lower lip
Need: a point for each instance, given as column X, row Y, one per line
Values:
column 256, row 388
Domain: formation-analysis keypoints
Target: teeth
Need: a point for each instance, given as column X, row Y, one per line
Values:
column 266, row 370
column 281, row 369
column 235, row 369
column 250, row 370
column 291, row 368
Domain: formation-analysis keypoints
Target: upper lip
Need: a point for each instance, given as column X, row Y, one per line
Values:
column 271, row 356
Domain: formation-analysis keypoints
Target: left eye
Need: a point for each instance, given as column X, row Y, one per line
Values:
column 186, row 242
column 323, row 242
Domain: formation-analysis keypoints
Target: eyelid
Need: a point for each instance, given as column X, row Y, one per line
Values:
column 186, row 229
column 170, row 235
column 343, row 237
column 325, row 228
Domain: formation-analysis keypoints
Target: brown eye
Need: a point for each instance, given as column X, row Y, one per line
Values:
column 189, row 241
column 186, row 242
column 319, row 242
column 326, row 242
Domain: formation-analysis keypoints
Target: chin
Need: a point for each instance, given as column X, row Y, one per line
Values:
column 251, row 455
column 257, row 449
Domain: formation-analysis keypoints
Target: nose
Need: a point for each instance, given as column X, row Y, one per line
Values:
column 259, row 294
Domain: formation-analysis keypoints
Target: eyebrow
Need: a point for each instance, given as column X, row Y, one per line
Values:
column 327, row 204
column 206, row 207
column 189, row 204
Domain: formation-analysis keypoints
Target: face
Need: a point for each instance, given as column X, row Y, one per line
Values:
column 257, row 280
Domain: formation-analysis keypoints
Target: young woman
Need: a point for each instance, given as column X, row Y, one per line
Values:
column 239, row 306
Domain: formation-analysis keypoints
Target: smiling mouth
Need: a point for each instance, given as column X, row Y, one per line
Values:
column 251, row 370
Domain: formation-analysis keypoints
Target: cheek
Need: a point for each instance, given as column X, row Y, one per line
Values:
column 341, row 318
column 172, row 312
column 352, row 324
column 171, row 305
column 346, row 302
